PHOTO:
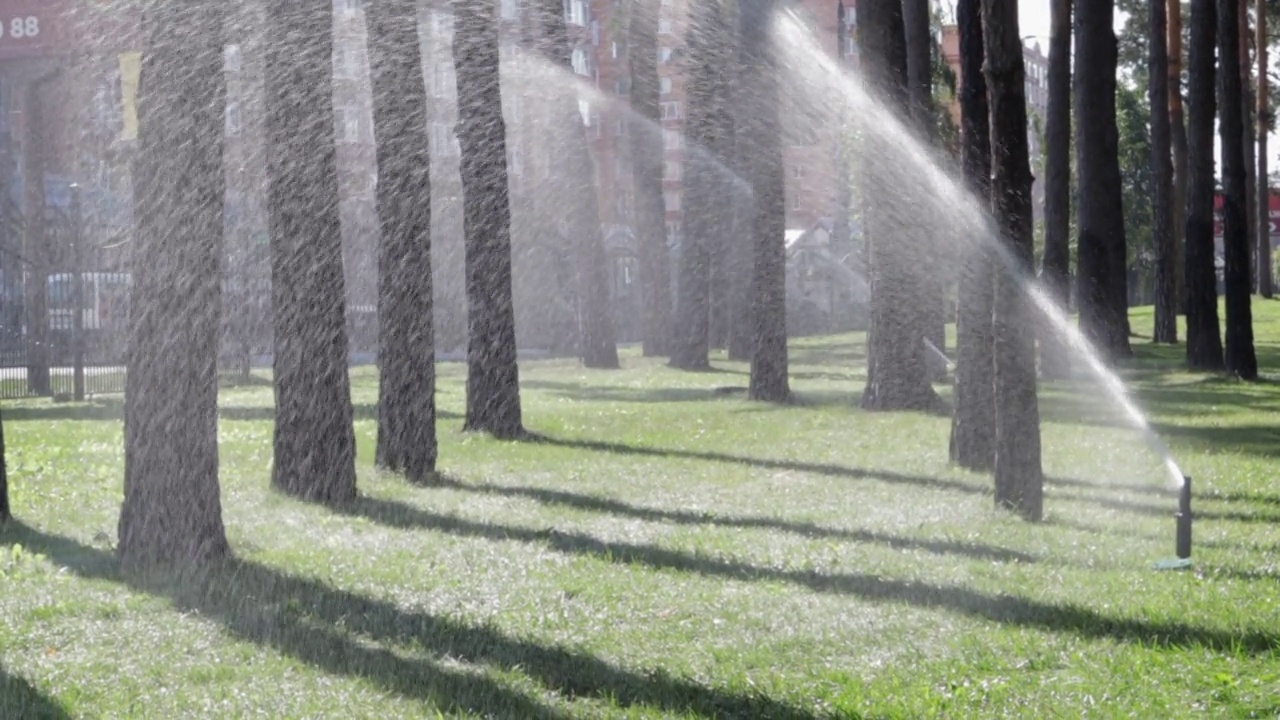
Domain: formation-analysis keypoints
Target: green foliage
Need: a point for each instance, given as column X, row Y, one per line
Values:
column 1132, row 113
column 671, row 550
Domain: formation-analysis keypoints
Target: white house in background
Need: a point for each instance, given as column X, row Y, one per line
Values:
column 827, row 290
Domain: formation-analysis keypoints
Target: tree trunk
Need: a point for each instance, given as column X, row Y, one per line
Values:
column 897, row 369
column 973, row 440
column 172, row 512
column 646, row 162
column 35, row 238
column 762, row 128
column 1101, row 264
column 1240, row 358
column 1055, row 361
column 314, row 437
column 598, row 346
column 406, row 332
column 1204, row 343
column 1019, row 478
column 1263, row 203
column 1250, row 166
column 740, row 251
column 1166, row 311
column 493, row 378
column 5, row 513
column 1179, row 141
column 919, row 39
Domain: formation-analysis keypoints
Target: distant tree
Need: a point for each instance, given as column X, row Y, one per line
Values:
column 919, row 40
column 315, row 447
column 1204, row 343
column 1179, row 145
column 1164, row 242
column 1019, row 477
column 1054, row 359
column 973, row 425
column 897, row 370
column 597, row 344
column 1240, row 357
column 646, row 159
column 1101, row 281
column 406, row 331
column 1263, row 261
column 172, row 512
column 762, row 132
column 1248, row 140
column 493, row 377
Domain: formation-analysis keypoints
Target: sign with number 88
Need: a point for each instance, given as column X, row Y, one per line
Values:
column 18, row 28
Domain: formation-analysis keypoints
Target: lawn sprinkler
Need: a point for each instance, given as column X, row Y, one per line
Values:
column 1182, row 533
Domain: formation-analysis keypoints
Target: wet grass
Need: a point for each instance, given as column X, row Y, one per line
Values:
column 660, row 547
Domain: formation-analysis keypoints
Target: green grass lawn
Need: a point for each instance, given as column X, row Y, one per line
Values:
column 668, row 550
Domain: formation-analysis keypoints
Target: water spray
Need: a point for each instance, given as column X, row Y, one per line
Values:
column 943, row 356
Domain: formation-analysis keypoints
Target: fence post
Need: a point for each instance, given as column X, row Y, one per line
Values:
column 77, row 291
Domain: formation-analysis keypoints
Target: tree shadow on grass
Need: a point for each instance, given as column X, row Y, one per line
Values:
column 331, row 629
column 1002, row 609
column 610, row 506
column 20, row 699
column 827, row 469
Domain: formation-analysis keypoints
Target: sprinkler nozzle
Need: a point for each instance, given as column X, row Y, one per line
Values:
column 1184, row 520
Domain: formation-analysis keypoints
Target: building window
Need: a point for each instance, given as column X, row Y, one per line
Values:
column 613, row 49
column 231, row 58
column 671, row 170
column 621, row 128
column 664, row 85
column 575, row 12
column 351, row 6
column 510, row 10
column 664, row 27
column 798, row 172
column 441, row 139
column 671, row 139
column 581, row 65
column 623, row 205
column 348, row 124
column 664, row 54
column 596, row 130
column 672, row 201
column 620, row 87
column 795, row 202
column 671, row 110
column 233, row 119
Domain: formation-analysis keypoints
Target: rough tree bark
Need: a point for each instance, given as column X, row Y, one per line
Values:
column 314, row 438
column 740, row 251
column 1240, row 357
column 897, row 369
column 1250, row 164
column 1055, row 360
column 1019, row 477
column 1179, row 140
column 702, row 201
column 597, row 343
column 493, row 378
column 973, row 439
column 762, row 131
column 1166, row 311
column 1101, row 263
column 646, row 154
column 172, row 512
column 919, row 39
column 406, row 332
column 1204, row 343
column 1263, row 262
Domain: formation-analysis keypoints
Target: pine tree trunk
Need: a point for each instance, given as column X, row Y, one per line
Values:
column 1263, row 203
column 1250, row 165
column 762, row 130
column 740, row 251
column 1055, row 361
column 919, row 39
column 646, row 161
column 314, row 437
column 5, row 513
column 973, row 439
column 406, row 332
column 897, row 369
column 1166, row 310
column 493, row 378
column 1101, row 262
column 572, row 159
column 1179, row 140
column 35, row 238
column 1019, row 478
column 1240, row 357
column 1204, row 343
column 172, row 512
